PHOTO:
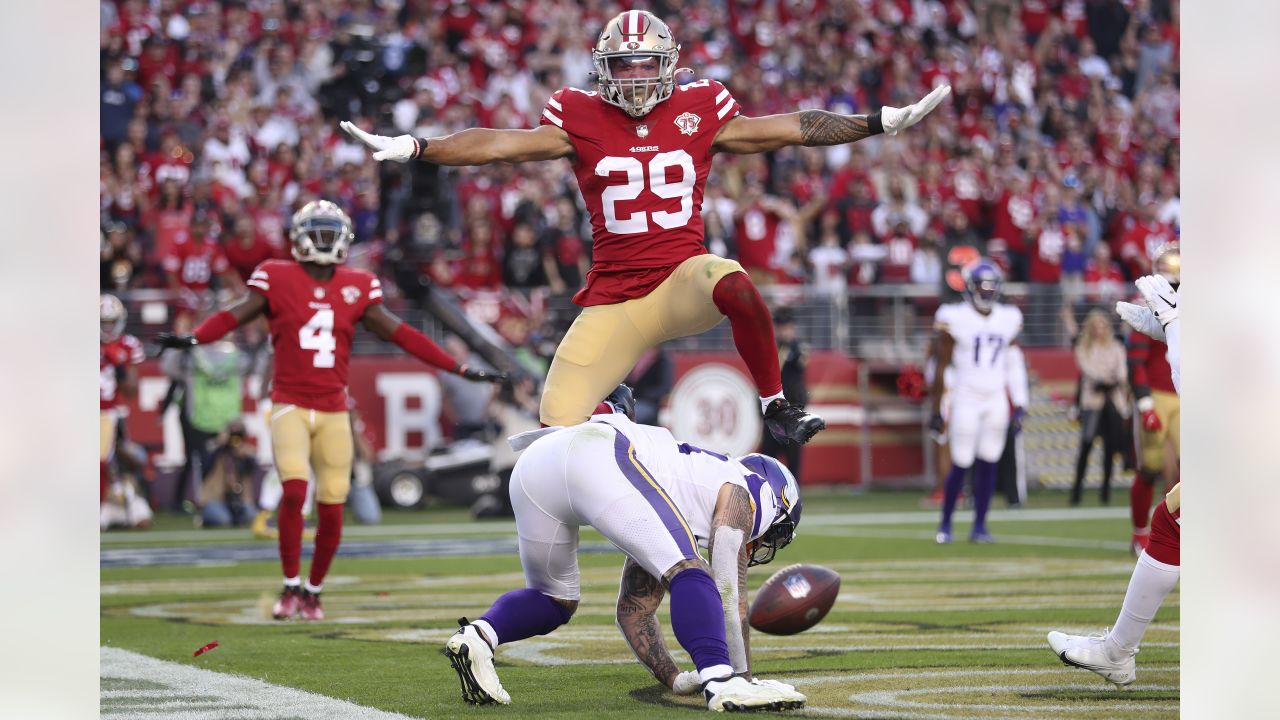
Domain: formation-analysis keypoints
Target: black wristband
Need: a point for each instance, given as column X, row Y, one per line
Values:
column 873, row 123
column 422, row 147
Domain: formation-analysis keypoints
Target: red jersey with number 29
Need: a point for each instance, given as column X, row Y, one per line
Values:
column 312, row 324
column 642, row 181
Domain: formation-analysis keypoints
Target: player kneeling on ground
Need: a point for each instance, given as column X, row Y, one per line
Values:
column 657, row 500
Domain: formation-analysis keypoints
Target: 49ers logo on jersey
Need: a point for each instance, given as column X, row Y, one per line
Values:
column 351, row 294
column 688, row 123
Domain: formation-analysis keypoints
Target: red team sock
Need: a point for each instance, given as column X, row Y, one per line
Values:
column 289, row 525
column 328, row 535
column 102, row 482
column 740, row 301
column 1140, row 495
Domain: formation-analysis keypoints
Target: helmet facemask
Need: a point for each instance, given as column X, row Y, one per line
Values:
column 781, row 530
column 635, row 61
column 321, row 233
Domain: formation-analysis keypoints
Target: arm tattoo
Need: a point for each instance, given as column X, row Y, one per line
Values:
column 638, row 601
column 820, row 127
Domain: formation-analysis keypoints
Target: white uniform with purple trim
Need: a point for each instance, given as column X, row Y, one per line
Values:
column 651, row 496
column 978, row 419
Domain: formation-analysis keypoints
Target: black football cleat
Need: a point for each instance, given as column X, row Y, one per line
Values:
column 790, row 424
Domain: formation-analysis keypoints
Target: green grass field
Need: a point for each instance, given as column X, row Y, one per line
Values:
column 919, row 630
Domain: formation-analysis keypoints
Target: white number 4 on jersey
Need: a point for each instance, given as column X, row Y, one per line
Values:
column 317, row 335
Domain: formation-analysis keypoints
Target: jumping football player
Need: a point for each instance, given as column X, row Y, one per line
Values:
column 119, row 355
column 641, row 149
column 659, row 501
column 312, row 307
column 1159, row 565
column 1158, row 408
column 978, row 339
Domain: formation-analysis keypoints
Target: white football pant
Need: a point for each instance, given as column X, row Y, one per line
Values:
column 976, row 426
column 588, row 474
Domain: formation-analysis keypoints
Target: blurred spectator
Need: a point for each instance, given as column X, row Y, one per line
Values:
column 759, row 234
column 245, row 249
column 830, row 262
column 119, row 95
column 522, row 262
column 207, row 384
column 226, row 495
column 1142, row 240
column 191, row 267
column 1102, row 403
column 120, row 258
column 1104, row 276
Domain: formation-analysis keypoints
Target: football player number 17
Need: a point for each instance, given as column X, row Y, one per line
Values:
column 317, row 335
column 638, row 222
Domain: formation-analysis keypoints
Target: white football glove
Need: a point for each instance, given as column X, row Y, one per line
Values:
column 1140, row 318
column 894, row 119
column 1160, row 297
column 401, row 148
column 687, row 683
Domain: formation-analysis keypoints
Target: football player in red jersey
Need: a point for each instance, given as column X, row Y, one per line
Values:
column 312, row 307
column 118, row 358
column 641, row 149
column 1159, row 411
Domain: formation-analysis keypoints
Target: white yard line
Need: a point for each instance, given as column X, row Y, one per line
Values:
column 190, row 693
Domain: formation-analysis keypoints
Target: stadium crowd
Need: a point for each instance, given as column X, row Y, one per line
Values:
column 1056, row 155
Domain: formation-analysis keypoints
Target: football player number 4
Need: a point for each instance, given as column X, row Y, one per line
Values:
column 317, row 335
column 658, row 183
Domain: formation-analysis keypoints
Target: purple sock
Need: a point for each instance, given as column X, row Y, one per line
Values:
column 697, row 618
column 524, row 613
column 984, row 485
column 950, row 494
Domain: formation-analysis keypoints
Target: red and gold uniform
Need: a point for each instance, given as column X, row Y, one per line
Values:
column 312, row 324
column 651, row 278
column 113, row 358
column 1149, row 374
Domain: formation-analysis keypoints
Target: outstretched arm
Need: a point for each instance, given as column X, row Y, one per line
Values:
column 745, row 135
column 638, row 599
column 473, row 146
column 381, row 322
column 731, row 526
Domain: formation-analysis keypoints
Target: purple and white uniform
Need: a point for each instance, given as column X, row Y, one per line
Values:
column 651, row 496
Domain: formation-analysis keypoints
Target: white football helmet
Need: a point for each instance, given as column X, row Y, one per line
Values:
column 321, row 233
column 112, row 315
column 632, row 36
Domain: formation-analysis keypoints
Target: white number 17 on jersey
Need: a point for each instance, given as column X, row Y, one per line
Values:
column 317, row 335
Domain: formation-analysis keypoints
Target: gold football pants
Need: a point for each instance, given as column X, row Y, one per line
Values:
column 605, row 341
column 303, row 438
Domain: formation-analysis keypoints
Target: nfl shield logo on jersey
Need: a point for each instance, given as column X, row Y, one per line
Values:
column 688, row 123
column 642, row 130
column 351, row 294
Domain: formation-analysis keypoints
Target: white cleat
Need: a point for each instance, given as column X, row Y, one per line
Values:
column 736, row 694
column 472, row 658
column 1090, row 653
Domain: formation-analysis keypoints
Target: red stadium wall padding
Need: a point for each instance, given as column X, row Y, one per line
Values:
column 713, row 405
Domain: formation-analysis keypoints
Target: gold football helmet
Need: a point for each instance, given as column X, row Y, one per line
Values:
column 636, row 39
column 112, row 315
column 1168, row 264
column 321, row 233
